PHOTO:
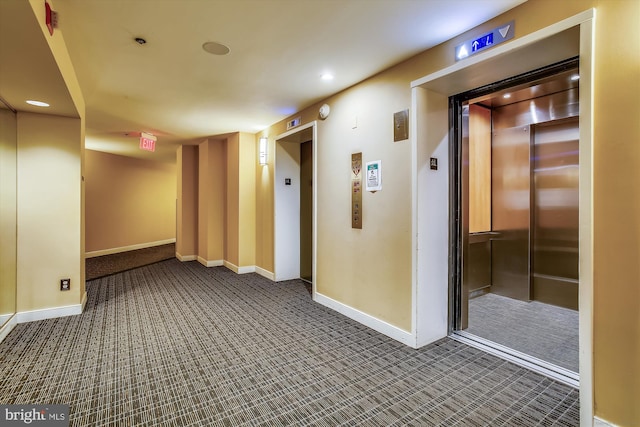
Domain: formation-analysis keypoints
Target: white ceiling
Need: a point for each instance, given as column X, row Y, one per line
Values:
column 172, row 88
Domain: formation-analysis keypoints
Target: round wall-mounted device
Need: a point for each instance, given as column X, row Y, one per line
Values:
column 324, row 111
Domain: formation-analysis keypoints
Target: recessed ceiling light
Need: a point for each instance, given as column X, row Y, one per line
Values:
column 506, row 96
column 37, row 103
column 215, row 48
column 327, row 77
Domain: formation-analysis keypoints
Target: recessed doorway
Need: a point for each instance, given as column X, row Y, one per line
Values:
column 295, row 204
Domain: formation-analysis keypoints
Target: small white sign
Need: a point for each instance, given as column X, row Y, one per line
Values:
column 374, row 175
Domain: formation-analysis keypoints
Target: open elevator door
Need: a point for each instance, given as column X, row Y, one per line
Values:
column 524, row 247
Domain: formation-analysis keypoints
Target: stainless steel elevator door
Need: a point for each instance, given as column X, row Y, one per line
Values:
column 555, row 220
column 511, row 212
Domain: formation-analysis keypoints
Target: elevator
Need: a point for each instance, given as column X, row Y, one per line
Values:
column 517, row 204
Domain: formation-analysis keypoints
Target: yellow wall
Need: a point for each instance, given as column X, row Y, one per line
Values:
column 128, row 201
column 218, row 177
column 61, row 55
column 350, row 269
column 49, row 211
column 187, row 211
column 247, row 159
column 367, row 269
column 617, row 211
column 46, row 174
column 232, row 199
column 8, row 210
column 211, row 201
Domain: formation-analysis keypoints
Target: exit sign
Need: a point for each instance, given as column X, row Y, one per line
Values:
column 147, row 142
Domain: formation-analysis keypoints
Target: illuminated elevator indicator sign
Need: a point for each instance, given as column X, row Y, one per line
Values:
column 485, row 41
column 482, row 42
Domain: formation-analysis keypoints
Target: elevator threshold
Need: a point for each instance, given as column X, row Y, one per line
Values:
column 547, row 369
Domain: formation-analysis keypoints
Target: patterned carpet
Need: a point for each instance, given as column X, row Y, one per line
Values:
column 178, row 344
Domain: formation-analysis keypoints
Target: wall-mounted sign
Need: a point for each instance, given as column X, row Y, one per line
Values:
column 485, row 41
column 401, row 125
column 356, row 190
column 147, row 142
column 374, row 176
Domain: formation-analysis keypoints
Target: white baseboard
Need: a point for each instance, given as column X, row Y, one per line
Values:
column 374, row 323
column 128, row 248
column 49, row 313
column 185, row 258
column 599, row 422
column 7, row 327
column 266, row 273
column 240, row 270
column 210, row 263
column 5, row 317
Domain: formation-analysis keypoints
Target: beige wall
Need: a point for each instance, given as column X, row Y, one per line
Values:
column 8, row 212
column 233, row 198
column 378, row 282
column 49, row 211
column 211, row 201
column 218, row 177
column 616, row 184
column 367, row 269
column 44, row 169
column 187, row 196
column 129, row 201
column 247, row 159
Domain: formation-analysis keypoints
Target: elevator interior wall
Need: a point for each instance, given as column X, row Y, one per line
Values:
column 528, row 249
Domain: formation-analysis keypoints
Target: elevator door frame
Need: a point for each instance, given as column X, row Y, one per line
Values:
column 429, row 135
column 286, row 237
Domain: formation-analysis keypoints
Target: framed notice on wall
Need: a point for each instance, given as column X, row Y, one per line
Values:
column 374, row 176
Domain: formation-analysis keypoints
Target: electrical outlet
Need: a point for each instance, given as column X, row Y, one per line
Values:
column 65, row 284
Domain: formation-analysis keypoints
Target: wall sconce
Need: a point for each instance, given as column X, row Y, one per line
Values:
column 263, row 150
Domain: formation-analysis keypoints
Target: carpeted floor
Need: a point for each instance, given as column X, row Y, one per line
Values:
column 541, row 330
column 104, row 265
column 178, row 344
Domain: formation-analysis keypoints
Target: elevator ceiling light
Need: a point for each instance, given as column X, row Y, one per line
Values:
column 326, row 77
column 37, row 103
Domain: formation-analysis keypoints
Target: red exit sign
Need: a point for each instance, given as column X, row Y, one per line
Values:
column 147, row 142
